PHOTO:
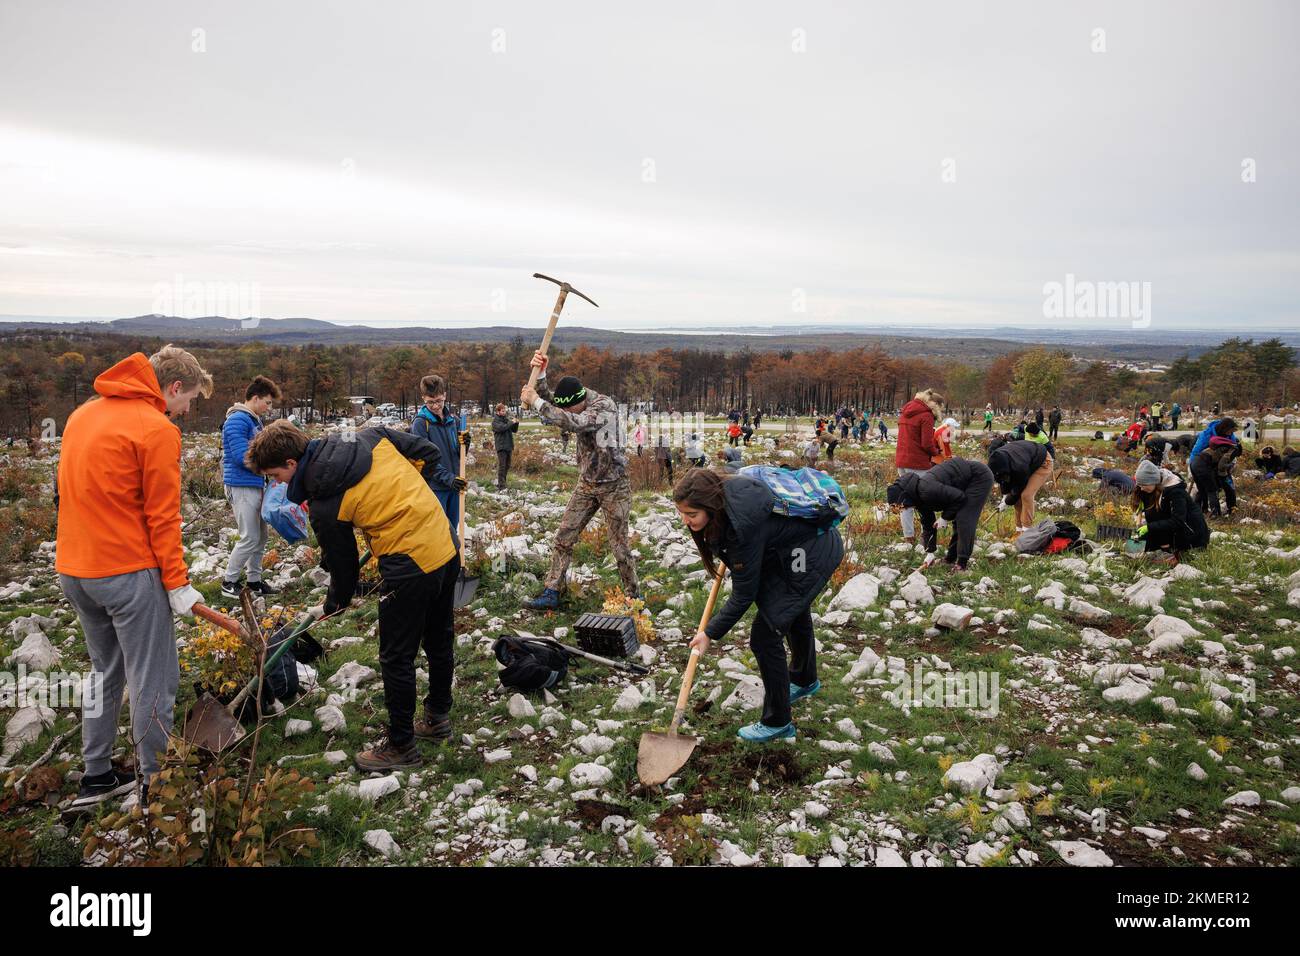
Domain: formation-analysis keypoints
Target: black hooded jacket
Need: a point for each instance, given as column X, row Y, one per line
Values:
column 943, row 488
column 1014, row 462
column 778, row 562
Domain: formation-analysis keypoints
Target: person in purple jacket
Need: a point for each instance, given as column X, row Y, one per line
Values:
column 244, row 488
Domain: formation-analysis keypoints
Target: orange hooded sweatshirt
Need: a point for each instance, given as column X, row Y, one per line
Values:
column 120, row 481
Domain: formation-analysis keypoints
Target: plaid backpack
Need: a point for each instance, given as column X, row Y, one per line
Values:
column 806, row 493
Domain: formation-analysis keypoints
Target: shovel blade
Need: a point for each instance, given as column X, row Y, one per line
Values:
column 210, row 725
column 465, row 588
column 661, row 755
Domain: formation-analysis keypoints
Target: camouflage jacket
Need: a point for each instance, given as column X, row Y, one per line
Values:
column 600, row 440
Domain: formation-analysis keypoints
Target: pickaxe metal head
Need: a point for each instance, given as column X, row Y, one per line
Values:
column 563, row 285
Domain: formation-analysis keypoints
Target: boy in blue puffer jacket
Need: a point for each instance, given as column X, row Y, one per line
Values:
column 244, row 488
column 435, row 423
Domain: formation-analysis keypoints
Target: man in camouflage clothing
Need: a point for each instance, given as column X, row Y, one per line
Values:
column 602, row 484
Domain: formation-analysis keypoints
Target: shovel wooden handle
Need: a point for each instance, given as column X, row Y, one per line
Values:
column 221, row 620
column 550, row 330
column 688, row 678
column 460, row 531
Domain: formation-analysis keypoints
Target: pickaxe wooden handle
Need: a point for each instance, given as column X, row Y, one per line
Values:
column 565, row 289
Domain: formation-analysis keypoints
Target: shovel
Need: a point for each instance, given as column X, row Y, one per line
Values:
column 465, row 585
column 212, row 725
column 661, row 755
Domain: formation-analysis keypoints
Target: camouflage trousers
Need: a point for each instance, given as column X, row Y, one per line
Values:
column 614, row 501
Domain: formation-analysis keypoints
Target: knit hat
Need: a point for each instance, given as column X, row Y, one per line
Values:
column 950, row 422
column 569, row 392
column 1148, row 473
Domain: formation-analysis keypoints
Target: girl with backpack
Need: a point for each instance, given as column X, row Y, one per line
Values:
column 1173, row 521
column 779, row 562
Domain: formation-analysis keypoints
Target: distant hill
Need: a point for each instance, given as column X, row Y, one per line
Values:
column 972, row 345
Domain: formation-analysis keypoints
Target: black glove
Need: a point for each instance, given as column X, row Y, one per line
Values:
column 460, row 484
column 1012, row 499
column 465, row 438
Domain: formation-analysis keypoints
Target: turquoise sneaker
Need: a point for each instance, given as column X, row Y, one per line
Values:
column 759, row 732
column 799, row 693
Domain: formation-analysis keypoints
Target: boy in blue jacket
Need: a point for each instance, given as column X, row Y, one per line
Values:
column 244, row 488
column 435, row 423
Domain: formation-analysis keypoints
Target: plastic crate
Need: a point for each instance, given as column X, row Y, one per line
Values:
column 1111, row 532
column 609, row 635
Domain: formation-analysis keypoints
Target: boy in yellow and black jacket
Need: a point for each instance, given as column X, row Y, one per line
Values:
column 376, row 480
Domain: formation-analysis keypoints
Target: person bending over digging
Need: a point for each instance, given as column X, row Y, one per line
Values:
column 602, row 483
column 779, row 562
column 1174, row 523
column 366, row 481
column 1021, row 468
column 958, row 489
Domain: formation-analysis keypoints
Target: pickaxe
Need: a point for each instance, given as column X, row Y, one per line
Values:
column 565, row 289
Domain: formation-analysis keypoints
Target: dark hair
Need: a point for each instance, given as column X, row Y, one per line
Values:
column 702, row 489
column 274, row 446
column 996, row 443
column 1032, row 428
column 1225, row 427
column 433, row 385
column 1147, row 501
column 262, row 385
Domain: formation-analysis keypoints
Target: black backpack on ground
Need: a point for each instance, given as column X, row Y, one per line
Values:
column 530, row 665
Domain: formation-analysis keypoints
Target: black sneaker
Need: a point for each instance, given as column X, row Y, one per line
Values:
column 261, row 587
column 105, row 786
column 230, row 589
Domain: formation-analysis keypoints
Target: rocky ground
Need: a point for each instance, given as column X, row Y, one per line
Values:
column 1140, row 716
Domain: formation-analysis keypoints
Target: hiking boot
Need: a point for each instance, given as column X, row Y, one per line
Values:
column 385, row 757
column 435, row 727
column 230, row 589
column 799, row 693
column 261, row 587
column 760, row 733
column 548, row 600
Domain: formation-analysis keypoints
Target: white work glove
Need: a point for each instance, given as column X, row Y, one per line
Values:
column 317, row 612
column 940, row 523
column 930, row 558
column 1002, row 505
column 183, row 599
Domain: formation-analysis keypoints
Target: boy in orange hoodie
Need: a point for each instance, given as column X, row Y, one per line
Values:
column 119, row 554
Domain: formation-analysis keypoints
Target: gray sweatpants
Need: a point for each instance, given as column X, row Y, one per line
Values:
column 132, row 644
column 247, row 552
column 908, row 516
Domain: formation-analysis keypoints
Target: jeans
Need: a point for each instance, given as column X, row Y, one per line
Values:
column 908, row 517
column 246, row 555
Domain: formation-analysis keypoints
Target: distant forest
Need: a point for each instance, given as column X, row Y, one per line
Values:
column 46, row 373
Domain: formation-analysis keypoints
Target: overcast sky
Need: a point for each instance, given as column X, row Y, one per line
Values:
column 684, row 164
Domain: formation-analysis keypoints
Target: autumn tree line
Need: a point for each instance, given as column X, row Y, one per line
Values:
column 45, row 374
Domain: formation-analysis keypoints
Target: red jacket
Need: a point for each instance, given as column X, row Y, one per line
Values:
column 916, row 445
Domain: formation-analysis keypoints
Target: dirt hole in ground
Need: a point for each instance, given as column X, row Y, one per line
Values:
column 592, row 812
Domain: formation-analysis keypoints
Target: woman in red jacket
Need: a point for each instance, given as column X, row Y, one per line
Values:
column 916, row 445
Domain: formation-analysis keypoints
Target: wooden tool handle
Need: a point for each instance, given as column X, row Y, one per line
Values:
column 688, row 678
column 460, row 536
column 550, row 330
column 221, row 620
